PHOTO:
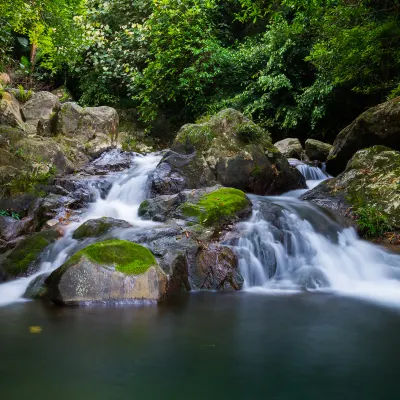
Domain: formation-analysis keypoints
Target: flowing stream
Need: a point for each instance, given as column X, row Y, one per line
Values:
column 122, row 202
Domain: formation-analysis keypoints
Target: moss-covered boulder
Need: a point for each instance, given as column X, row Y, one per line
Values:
column 25, row 259
column 211, row 207
column 228, row 149
column 113, row 270
column 379, row 125
column 290, row 148
column 317, row 150
column 371, row 179
column 98, row 227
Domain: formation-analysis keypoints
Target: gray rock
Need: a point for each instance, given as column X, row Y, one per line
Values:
column 40, row 111
column 10, row 112
column 99, row 227
column 290, row 148
column 379, row 125
column 316, row 150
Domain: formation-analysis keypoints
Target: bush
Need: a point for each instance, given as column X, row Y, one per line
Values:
column 371, row 221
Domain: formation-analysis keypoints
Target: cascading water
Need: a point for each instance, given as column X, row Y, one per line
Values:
column 289, row 244
column 122, row 202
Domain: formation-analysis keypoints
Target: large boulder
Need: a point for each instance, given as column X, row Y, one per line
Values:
column 11, row 228
column 228, row 149
column 371, row 179
column 113, row 270
column 379, row 125
column 99, row 227
column 25, row 259
column 211, row 207
column 95, row 127
column 10, row 112
column 290, row 148
column 40, row 112
column 316, row 150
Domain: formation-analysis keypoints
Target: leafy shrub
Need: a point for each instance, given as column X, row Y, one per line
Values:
column 371, row 221
column 23, row 95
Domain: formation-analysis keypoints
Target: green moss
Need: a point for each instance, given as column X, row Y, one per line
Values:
column 127, row 257
column 143, row 207
column 27, row 252
column 199, row 136
column 216, row 207
column 249, row 132
column 90, row 230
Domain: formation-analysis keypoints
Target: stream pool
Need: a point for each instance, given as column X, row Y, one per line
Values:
column 299, row 346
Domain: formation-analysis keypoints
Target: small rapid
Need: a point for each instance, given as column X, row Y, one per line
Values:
column 122, row 202
column 291, row 245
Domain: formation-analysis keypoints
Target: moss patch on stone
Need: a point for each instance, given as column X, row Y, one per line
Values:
column 22, row 258
column 127, row 257
column 216, row 207
column 199, row 136
column 98, row 227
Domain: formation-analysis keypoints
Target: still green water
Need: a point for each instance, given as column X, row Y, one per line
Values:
column 203, row 346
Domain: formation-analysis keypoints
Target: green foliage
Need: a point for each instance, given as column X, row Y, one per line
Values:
column 216, row 207
column 23, row 95
column 371, row 221
column 12, row 214
column 127, row 257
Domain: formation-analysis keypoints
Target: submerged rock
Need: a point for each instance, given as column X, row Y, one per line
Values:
column 228, row 149
column 98, row 227
column 290, row 148
column 25, row 259
column 113, row 270
column 379, row 125
column 371, row 178
column 317, row 150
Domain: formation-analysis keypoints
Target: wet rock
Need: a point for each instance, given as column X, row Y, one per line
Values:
column 290, row 148
column 216, row 269
column 113, row 270
column 39, row 113
column 175, row 265
column 371, row 178
column 379, row 125
column 228, row 149
column 316, row 150
column 213, row 207
column 111, row 161
column 98, row 227
column 25, row 258
column 37, row 289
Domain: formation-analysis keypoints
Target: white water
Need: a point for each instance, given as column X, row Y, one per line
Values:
column 305, row 248
column 122, row 202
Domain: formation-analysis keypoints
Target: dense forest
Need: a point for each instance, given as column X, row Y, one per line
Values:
column 298, row 68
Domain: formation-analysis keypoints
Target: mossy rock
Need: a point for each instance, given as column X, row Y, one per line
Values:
column 371, row 180
column 218, row 207
column 227, row 149
column 112, row 270
column 126, row 257
column 98, row 227
column 25, row 258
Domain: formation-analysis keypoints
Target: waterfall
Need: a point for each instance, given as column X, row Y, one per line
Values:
column 289, row 244
column 122, row 202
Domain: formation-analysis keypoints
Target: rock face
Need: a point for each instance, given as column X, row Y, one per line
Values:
column 98, row 227
column 95, row 126
column 230, row 150
column 316, row 150
column 290, row 148
column 371, row 178
column 113, row 270
column 10, row 112
column 379, row 125
column 40, row 112
column 25, row 258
